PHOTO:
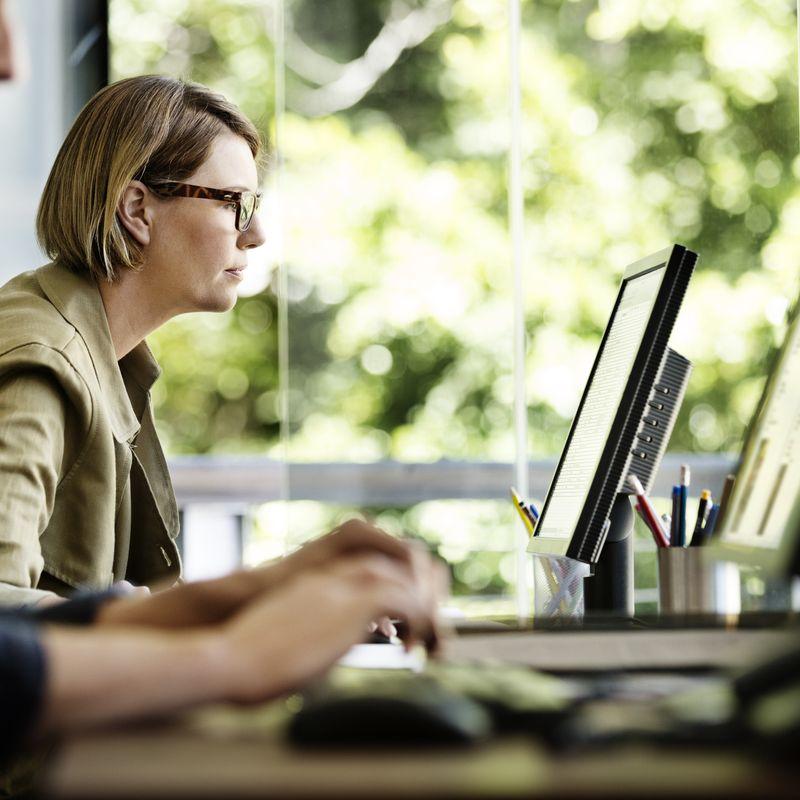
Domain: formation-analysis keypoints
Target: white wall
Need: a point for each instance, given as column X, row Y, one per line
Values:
column 31, row 127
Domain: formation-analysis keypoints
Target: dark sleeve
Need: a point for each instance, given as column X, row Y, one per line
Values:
column 22, row 663
column 22, row 676
column 80, row 609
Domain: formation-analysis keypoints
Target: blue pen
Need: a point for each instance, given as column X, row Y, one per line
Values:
column 711, row 521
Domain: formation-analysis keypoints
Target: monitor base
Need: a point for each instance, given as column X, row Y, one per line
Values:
column 608, row 591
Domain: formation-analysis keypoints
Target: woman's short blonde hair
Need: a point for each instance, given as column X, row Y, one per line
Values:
column 148, row 128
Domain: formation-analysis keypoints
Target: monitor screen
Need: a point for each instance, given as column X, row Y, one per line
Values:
column 593, row 423
column 598, row 447
column 760, row 523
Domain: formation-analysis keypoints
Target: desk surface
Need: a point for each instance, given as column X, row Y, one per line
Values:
column 240, row 753
column 186, row 761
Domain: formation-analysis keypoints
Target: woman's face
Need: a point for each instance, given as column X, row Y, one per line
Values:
column 195, row 253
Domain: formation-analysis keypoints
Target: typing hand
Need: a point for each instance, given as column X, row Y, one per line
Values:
column 209, row 602
column 357, row 536
column 352, row 537
column 276, row 643
column 295, row 633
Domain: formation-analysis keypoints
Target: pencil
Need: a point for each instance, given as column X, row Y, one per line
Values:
column 724, row 500
column 522, row 511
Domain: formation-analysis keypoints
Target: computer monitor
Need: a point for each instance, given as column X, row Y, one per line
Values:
column 761, row 524
column 599, row 449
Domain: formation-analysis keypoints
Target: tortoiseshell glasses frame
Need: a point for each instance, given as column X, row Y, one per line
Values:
column 247, row 203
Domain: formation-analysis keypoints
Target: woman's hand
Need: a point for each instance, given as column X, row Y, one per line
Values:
column 209, row 602
column 297, row 632
column 276, row 644
column 350, row 538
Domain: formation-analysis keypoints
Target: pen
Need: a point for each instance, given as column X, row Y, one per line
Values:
column 657, row 537
column 533, row 512
column 685, row 481
column 523, row 512
column 698, row 535
column 676, row 514
column 647, row 512
column 725, row 498
column 713, row 516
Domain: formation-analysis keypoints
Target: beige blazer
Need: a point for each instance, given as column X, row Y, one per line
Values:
column 85, row 495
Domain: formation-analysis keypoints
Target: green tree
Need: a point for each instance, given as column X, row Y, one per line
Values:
column 644, row 123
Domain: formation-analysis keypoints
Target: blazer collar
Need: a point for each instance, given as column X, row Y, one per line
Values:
column 78, row 300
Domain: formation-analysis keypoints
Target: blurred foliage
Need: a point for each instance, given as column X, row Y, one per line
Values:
column 645, row 122
column 472, row 537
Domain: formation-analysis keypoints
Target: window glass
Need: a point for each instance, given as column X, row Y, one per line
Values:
column 644, row 123
column 648, row 123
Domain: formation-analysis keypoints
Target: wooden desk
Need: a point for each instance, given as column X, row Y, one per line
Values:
column 240, row 753
column 232, row 754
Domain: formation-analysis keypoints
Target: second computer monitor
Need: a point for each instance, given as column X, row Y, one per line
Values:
column 761, row 524
column 599, row 448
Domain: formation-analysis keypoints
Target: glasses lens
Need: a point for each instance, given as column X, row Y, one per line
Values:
column 247, row 206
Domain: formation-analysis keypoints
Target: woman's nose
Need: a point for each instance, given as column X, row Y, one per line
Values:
column 254, row 236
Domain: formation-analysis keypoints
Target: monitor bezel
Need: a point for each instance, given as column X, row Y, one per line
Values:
column 587, row 547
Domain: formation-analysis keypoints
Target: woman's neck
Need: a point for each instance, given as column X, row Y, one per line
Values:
column 131, row 313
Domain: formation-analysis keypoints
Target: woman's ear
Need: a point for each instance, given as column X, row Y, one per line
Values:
column 133, row 211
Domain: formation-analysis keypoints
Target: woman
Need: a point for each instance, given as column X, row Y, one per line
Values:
column 148, row 212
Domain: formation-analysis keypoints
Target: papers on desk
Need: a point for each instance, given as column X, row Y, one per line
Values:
column 383, row 656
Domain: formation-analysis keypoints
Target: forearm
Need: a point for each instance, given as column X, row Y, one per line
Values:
column 195, row 604
column 94, row 677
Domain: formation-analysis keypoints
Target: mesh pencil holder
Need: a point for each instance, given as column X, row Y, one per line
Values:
column 558, row 586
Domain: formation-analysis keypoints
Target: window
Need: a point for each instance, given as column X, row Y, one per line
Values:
column 387, row 333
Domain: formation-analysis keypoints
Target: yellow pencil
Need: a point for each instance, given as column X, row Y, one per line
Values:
column 520, row 506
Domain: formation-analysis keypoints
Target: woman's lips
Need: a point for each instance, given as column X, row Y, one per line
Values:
column 235, row 272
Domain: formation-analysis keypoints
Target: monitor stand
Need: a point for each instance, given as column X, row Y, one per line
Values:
column 608, row 591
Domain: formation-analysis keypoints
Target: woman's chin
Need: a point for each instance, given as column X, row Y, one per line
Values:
column 223, row 299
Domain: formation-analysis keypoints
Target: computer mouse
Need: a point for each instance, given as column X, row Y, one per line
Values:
column 368, row 717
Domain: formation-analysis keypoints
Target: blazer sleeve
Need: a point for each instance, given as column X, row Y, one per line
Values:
column 23, row 668
column 33, row 447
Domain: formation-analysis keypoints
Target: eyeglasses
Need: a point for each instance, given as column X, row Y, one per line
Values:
column 247, row 203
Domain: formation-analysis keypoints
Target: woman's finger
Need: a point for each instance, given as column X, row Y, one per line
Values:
column 356, row 535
